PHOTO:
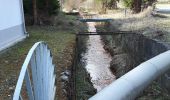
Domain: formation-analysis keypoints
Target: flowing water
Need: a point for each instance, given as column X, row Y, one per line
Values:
column 97, row 61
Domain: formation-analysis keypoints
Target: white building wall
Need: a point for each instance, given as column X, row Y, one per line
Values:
column 12, row 27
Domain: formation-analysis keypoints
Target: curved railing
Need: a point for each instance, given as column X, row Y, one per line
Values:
column 38, row 73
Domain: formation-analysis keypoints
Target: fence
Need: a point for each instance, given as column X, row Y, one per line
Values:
column 38, row 72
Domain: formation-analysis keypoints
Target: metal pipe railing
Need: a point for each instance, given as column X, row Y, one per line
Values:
column 130, row 85
column 38, row 73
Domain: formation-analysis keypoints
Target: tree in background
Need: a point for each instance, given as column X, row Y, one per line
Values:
column 136, row 5
column 112, row 4
column 48, row 7
column 38, row 8
column 108, row 4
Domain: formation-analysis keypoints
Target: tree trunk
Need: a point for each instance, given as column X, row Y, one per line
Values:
column 47, row 6
column 136, row 7
column 112, row 4
column 104, row 6
column 35, row 15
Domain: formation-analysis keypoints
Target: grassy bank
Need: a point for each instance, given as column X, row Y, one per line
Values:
column 60, row 38
column 153, row 25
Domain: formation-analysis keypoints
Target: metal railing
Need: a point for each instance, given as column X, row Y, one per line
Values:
column 38, row 73
column 129, row 86
column 95, row 20
column 105, row 33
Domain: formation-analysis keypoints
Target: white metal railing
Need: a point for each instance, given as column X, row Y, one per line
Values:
column 38, row 72
column 134, row 82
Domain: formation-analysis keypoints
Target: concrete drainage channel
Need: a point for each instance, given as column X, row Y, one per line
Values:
column 127, row 51
column 91, row 69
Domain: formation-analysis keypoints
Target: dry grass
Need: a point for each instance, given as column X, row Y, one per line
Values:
column 150, row 24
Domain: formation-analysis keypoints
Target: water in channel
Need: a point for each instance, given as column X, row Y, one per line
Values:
column 97, row 61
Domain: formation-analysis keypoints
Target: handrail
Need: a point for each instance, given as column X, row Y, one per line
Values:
column 42, row 74
column 96, row 20
column 134, row 82
column 106, row 33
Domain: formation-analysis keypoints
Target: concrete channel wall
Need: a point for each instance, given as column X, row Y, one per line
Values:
column 138, row 48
